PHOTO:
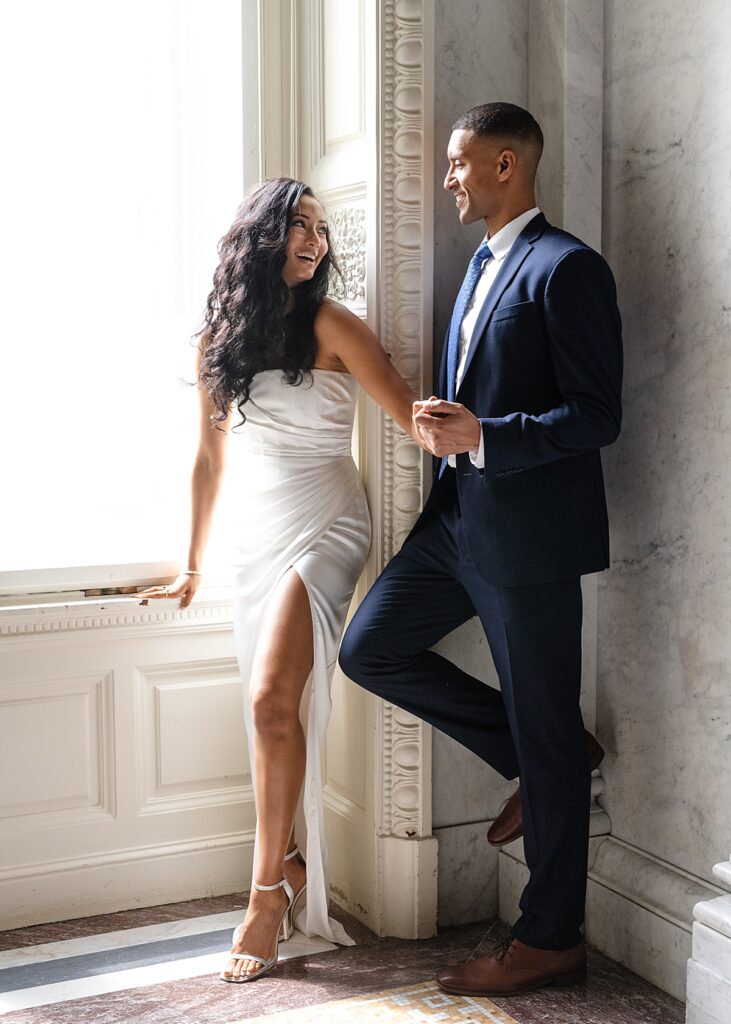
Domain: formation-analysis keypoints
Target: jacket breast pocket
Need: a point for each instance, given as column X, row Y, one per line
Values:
column 513, row 312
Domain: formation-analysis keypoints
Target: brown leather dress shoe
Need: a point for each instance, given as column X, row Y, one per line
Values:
column 514, row 967
column 509, row 823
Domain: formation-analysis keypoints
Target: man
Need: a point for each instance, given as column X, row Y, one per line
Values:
column 530, row 384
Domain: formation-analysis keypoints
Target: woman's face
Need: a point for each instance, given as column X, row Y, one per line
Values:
column 307, row 243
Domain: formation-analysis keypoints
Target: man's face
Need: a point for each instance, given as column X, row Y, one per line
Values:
column 472, row 177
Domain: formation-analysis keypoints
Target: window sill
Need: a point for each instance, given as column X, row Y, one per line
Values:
column 71, row 612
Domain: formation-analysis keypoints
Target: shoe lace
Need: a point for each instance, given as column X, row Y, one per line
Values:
column 503, row 948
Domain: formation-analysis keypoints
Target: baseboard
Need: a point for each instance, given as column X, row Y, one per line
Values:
column 639, row 910
column 125, row 879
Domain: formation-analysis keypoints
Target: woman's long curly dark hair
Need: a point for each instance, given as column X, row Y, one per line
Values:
column 246, row 325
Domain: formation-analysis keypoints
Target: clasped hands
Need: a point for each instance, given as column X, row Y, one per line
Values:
column 445, row 428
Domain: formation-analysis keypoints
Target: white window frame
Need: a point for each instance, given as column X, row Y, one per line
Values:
column 263, row 24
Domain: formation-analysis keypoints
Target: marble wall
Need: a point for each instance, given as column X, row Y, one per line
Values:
column 664, row 655
column 481, row 53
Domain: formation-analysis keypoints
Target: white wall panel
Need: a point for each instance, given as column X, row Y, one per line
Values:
column 334, row 145
column 56, row 749
column 345, row 746
column 123, row 782
column 192, row 735
column 343, row 72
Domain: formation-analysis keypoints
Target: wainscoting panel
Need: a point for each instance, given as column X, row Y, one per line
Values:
column 192, row 739
column 57, row 750
column 124, row 777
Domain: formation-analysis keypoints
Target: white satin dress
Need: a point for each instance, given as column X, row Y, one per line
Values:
column 302, row 506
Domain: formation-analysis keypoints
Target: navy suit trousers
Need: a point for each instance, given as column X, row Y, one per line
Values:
column 531, row 727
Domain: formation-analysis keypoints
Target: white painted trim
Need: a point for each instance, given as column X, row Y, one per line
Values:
column 50, row 582
column 211, row 608
column 408, row 872
column 104, row 883
column 132, row 855
column 251, row 90
column 342, row 805
column 278, row 77
column 397, row 475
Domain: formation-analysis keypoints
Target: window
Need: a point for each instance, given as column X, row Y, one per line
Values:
column 123, row 137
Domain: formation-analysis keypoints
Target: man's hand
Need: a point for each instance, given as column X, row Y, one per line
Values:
column 446, row 428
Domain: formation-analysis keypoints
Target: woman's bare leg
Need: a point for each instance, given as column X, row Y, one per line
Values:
column 282, row 664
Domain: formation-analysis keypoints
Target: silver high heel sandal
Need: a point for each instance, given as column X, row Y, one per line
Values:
column 288, row 922
column 266, row 965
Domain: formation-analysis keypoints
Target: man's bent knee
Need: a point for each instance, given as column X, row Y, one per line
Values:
column 353, row 657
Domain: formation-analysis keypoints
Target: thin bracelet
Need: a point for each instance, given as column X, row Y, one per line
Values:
column 192, row 572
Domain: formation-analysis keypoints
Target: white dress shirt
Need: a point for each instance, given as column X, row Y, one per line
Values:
column 500, row 245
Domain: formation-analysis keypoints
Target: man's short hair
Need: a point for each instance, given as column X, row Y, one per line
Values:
column 502, row 121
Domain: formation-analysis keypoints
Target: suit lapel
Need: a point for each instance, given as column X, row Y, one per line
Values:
column 512, row 263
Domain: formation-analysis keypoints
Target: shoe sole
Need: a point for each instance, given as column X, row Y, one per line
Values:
column 594, row 761
column 559, row 981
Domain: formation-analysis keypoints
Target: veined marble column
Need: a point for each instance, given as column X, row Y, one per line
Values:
column 665, row 644
column 709, row 969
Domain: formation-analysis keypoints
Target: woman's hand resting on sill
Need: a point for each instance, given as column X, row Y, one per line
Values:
column 183, row 588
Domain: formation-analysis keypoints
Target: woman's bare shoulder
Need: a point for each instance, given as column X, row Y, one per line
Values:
column 333, row 314
column 337, row 330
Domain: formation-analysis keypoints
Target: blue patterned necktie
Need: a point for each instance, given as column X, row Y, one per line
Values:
column 460, row 308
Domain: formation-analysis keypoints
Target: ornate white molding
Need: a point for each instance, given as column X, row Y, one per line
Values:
column 346, row 214
column 405, row 296
column 214, row 612
column 348, row 228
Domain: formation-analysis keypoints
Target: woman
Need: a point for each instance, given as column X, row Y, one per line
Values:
column 289, row 360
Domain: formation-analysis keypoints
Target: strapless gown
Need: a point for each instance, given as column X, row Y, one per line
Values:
column 302, row 505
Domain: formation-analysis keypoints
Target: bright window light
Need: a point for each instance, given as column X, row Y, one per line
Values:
column 123, row 140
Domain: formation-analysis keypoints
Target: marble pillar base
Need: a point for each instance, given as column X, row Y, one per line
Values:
column 638, row 909
column 709, row 969
column 468, row 886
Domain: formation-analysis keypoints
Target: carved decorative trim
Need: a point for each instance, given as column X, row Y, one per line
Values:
column 406, row 779
column 87, row 615
column 348, row 228
column 405, row 297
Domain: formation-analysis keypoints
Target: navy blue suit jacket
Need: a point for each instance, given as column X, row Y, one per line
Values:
column 543, row 375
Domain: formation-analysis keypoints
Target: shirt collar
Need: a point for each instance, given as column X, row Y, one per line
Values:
column 502, row 241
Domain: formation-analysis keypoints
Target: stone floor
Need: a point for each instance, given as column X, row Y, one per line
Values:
column 612, row 995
